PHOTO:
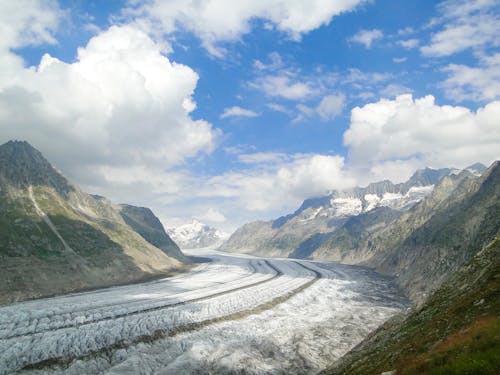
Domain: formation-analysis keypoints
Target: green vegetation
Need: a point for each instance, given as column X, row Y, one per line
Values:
column 474, row 350
column 457, row 331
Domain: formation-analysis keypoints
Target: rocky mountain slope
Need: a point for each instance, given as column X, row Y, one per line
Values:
column 54, row 238
column 329, row 213
column 419, row 240
column 144, row 222
column 196, row 235
column 456, row 331
column 423, row 245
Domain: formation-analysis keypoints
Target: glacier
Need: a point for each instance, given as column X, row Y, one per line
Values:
column 233, row 314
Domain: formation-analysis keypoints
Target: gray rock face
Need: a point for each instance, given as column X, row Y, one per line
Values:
column 54, row 238
column 144, row 222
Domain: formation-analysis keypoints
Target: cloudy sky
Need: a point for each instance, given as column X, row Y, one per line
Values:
column 231, row 111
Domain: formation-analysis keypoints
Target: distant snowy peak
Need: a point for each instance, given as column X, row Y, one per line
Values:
column 352, row 202
column 352, row 205
column 196, row 235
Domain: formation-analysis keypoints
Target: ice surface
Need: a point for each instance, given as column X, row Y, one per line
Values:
column 144, row 328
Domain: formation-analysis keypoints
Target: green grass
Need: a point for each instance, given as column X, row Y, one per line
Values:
column 457, row 331
column 474, row 350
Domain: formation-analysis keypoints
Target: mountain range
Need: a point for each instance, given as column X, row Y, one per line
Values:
column 418, row 231
column 54, row 238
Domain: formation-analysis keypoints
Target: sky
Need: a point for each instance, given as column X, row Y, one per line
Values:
column 233, row 111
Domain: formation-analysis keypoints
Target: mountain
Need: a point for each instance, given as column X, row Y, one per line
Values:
column 196, row 235
column 144, row 222
column 54, row 238
column 327, row 214
column 456, row 331
column 422, row 246
column 417, row 233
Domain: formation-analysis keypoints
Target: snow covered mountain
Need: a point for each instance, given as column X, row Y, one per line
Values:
column 321, row 215
column 196, row 235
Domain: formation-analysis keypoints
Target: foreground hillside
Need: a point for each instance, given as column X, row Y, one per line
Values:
column 457, row 331
column 54, row 238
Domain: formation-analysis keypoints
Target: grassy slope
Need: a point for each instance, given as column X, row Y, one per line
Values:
column 457, row 331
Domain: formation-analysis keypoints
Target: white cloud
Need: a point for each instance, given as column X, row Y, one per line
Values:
column 279, row 184
column 394, row 89
column 417, row 132
column 263, row 157
column 283, row 86
column 328, row 108
column 408, row 43
column 120, row 108
column 399, row 60
column 331, row 106
column 464, row 24
column 238, row 112
column 278, row 108
column 406, row 31
column 215, row 21
column 275, row 62
column 367, row 37
column 28, row 22
column 479, row 83
column 212, row 215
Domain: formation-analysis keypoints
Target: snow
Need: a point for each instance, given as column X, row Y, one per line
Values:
column 196, row 235
column 111, row 330
column 398, row 201
column 372, row 201
column 346, row 206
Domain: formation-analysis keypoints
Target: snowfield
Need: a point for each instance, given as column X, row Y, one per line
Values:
column 235, row 314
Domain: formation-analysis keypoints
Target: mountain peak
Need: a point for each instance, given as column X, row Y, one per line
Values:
column 477, row 168
column 22, row 165
column 196, row 234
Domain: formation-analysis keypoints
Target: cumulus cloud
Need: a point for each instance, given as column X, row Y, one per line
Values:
column 215, row 21
column 462, row 25
column 367, row 37
column 28, row 22
column 281, row 184
column 120, row 105
column 406, row 133
column 238, row 112
column 479, row 83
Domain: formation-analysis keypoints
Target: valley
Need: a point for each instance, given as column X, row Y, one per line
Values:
column 234, row 313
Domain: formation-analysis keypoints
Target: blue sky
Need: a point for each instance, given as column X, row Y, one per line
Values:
column 234, row 111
